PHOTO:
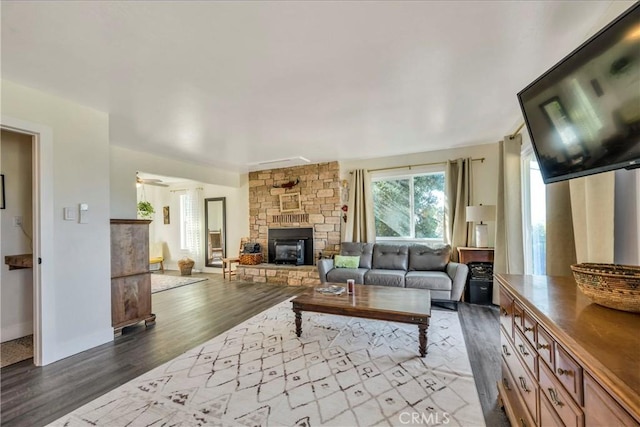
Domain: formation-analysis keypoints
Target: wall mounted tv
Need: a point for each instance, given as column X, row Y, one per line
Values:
column 583, row 115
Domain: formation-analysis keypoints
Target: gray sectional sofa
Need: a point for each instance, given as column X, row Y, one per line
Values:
column 405, row 266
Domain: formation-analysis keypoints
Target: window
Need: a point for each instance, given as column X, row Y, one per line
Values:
column 409, row 206
column 534, row 213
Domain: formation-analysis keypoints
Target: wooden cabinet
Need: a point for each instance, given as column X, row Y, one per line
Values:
column 565, row 360
column 467, row 255
column 130, row 276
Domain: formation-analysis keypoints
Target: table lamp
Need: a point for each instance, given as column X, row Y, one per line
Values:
column 480, row 214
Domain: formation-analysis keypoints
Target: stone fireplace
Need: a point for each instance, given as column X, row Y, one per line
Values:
column 315, row 191
column 317, row 187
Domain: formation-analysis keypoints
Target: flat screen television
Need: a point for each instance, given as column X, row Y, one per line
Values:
column 583, row 115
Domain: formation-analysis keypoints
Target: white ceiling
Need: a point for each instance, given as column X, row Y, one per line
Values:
column 232, row 84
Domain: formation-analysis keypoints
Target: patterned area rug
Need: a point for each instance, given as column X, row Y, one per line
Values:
column 161, row 282
column 342, row 372
column 15, row 351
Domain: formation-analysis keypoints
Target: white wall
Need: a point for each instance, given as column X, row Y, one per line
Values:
column 237, row 205
column 125, row 163
column 215, row 183
column 16, row 292
column 485, row 174
column 76, row 298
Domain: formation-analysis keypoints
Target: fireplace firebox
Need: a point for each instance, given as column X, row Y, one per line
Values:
column 290, row 246
column 289, row 251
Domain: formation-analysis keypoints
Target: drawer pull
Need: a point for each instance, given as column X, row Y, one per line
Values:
column 564, row 372
column 523, row 350
column 523, row 383
column 554, row 397
column 522, row 423
column 516, row 315
column 541, row 346
column 527, row 329
column 506, row 384
column 505, row 350
column 504, row 311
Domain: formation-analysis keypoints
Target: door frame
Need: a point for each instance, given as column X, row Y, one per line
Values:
column 43, row 220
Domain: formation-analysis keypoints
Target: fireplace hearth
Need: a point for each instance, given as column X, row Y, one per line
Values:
column 290, row 246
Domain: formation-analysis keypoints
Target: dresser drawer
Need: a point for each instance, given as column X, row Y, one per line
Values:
column 548, row 415
column 562, row 403
column 544, row 345
column 518, row 315
column 600, row 409
column 529, row 328
column 517, row 413
column 526, row 353
column 506, row 312
column 569, row 373
column 525, row 384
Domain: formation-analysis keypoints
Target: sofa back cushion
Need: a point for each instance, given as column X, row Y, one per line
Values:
column 424, row 258
column 363, row 250
column 390, row 257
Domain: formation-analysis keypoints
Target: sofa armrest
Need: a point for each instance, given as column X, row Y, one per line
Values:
column 458, row 273
column 324, row 266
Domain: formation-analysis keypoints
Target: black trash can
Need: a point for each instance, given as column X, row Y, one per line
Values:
column 479, row 283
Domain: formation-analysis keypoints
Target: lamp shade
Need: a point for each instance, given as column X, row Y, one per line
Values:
column 481, row 213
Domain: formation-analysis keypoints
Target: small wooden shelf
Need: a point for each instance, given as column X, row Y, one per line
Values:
column 16, row 262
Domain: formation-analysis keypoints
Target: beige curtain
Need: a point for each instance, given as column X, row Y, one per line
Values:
column 580, row 222
column 560, row 246
column 509, row 247
column 458, row 194
column 360, row 226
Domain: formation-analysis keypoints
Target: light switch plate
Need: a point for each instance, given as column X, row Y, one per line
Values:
column 69, row 214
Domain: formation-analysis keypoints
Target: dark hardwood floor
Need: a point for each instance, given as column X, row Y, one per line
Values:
column 186, row 317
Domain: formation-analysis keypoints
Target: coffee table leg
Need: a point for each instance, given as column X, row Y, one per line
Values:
column 422, row 336
column 298, row 322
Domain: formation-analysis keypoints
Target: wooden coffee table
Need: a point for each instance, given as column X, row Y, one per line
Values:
column 371, row 302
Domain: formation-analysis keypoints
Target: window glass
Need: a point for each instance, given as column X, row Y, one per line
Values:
column 534, row 215
column 409, row 207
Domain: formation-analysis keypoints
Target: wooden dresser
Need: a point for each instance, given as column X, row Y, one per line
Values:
column 130, row 276
column 565, row 360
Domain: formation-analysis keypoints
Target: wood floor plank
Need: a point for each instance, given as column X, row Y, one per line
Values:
column 187, row 317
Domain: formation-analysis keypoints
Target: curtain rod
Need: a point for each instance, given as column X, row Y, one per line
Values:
column 481, row 160
column 185, row 189
column 517, row 131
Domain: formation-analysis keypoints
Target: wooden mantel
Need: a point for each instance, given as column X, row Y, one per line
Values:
column 16, row 262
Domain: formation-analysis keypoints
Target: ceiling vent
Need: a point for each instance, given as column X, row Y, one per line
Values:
column 279, row 163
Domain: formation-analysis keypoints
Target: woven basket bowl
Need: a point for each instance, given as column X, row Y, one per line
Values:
column 250, row 259
column 611, row 285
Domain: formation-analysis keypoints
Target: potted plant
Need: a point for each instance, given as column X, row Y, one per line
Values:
column 145, row 210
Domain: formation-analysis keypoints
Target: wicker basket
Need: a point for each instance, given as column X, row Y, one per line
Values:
column 185, row 265
column 611, row 285
column 250, row 259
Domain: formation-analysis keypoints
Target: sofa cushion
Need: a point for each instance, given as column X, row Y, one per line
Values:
column 344, row 261
column 433, row 280
column 390, row 257
column 424, row 258
column 363, row 250
column 341, row 275
column 385, row 278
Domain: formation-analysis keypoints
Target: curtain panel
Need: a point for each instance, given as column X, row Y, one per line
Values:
column 509, row 246
column 194, row 227
column 580, row 222
column 458, row 196
column 360, row 226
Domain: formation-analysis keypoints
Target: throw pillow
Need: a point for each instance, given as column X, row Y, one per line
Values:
column 343, row 261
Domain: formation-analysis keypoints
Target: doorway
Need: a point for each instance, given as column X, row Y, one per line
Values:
column 16, row 230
